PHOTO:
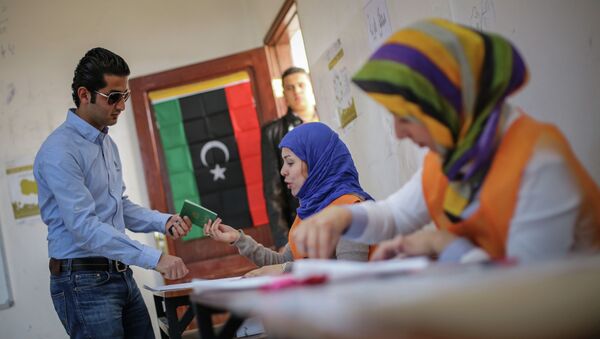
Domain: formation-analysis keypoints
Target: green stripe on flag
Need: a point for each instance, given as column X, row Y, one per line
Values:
column 177, row 157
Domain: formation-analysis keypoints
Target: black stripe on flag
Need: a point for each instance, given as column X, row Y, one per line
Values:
column 220, row 183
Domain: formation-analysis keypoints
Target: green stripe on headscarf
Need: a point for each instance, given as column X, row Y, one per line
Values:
column 402, row 76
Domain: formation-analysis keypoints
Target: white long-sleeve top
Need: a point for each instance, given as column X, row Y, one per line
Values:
column 542, row 227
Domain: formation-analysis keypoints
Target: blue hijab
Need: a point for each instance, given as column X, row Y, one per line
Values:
column 331, row 171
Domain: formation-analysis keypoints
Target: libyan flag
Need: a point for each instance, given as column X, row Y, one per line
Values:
column 210, row 137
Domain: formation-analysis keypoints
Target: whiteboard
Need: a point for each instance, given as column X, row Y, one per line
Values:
column 6, row 300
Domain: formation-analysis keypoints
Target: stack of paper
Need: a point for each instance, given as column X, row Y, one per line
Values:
column 337, row 269
column 331, row 270
column 202, row 285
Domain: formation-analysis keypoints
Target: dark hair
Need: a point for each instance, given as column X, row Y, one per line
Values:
column 91, row 69
column 292, row 70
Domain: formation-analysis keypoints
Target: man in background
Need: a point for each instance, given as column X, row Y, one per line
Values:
column 82, row 200
column 281, row 205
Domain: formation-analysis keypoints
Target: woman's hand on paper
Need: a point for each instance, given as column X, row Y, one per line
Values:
column 265, row 270
column 388, row 249
column 317, row 236
column 221, row 232
column 424, row 242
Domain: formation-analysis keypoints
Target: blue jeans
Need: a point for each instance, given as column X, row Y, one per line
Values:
column 100, row 304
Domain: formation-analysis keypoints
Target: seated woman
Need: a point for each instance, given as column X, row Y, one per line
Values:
column 497, row 183
column 319, row 171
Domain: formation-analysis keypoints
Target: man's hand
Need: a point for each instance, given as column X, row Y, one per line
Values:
column 318, row 235
column 265, row 270
column 171, row 267
column 424, row 242
column 177, row 226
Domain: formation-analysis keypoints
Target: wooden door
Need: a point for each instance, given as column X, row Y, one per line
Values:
column 199, row 131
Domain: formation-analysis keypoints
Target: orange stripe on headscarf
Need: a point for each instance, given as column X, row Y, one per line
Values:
column 401, row 107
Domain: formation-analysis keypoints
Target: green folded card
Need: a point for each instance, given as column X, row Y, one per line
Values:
column 198, row 215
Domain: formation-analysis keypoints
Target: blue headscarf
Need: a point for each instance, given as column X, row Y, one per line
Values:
column 331, row 171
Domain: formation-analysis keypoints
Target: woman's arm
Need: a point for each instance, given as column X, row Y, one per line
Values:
column 260, row 255
column 403, row 212
column 247, row 246
column 350, row 250
column 369, row 222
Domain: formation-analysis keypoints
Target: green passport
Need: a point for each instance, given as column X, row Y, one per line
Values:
column 198, row 215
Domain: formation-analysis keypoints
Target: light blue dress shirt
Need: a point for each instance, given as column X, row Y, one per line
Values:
column 81, row 198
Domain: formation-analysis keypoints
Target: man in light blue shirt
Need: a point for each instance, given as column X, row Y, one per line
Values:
column 82, row 200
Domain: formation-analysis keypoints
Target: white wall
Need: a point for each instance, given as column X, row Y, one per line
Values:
column 48, row 38
column 558, row 39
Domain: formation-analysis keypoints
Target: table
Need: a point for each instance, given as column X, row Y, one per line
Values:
column 166, row 304
column 551, row 300
column 204, row 313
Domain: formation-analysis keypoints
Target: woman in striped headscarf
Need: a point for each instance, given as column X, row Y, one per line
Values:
column 497, row 183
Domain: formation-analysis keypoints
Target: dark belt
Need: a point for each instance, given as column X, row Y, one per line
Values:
column 86, row 264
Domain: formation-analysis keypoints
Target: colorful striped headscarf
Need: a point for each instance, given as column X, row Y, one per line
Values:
column 453, row 80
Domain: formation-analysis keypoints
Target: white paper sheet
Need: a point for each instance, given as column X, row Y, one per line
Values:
column 202, row 285
column 337, row 269
column 185, row 286
column 333, row 269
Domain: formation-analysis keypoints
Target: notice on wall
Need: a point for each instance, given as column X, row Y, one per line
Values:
column 378, row 23
column 22, row 190
column 480, row 14
column 340, row 79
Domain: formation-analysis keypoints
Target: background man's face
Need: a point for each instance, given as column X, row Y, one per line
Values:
column 298, row 92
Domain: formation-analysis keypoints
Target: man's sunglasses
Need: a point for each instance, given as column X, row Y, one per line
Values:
column 114, row 97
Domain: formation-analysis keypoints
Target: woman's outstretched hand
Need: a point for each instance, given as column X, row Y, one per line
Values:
column 221, row 232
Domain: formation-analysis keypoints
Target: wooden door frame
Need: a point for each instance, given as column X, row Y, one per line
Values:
column 254, row 62
column 279, row 58
column 282, row 20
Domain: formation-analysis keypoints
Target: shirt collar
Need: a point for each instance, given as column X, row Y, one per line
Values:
column 86, row 130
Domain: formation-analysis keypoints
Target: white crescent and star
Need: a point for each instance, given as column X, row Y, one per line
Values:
column 218, row 172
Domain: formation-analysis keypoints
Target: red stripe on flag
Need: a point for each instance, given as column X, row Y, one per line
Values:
column 247, row 136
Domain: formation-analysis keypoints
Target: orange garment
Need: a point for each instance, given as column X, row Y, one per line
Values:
column 345, row 199
column 488, row 227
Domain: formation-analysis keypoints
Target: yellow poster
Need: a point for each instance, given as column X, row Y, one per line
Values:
column 23, row 190
column 344, row 102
